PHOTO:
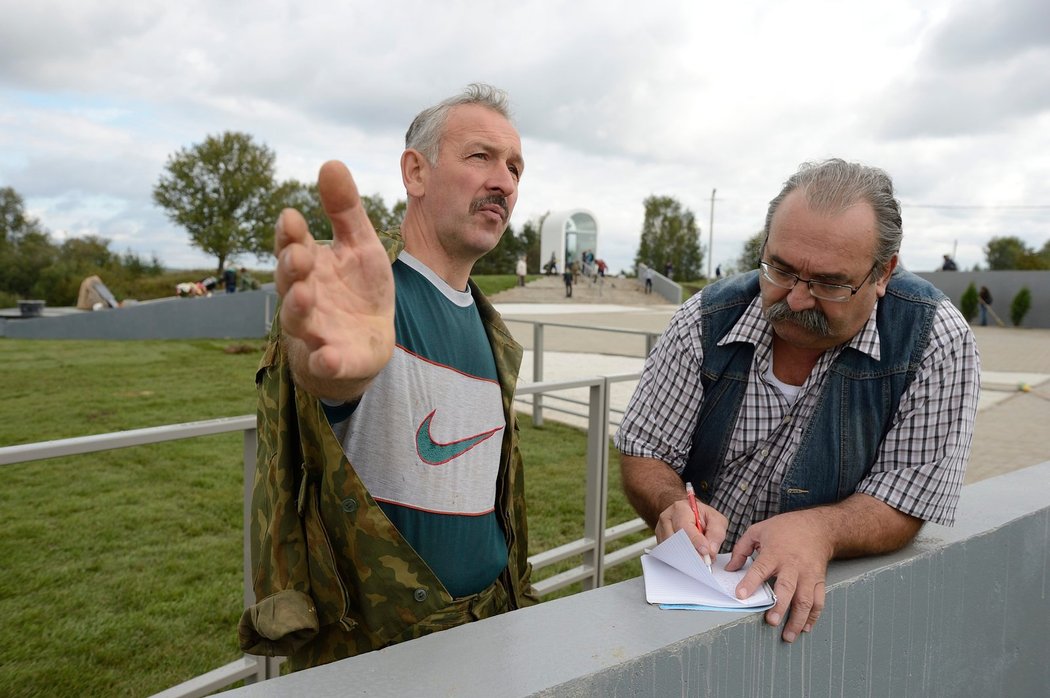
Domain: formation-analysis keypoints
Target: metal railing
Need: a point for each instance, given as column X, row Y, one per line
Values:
column 249, row 668
column 538, row 344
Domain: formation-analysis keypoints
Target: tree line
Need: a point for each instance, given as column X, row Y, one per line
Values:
column 33, row 265
column 1002, row 253
column 223, row 191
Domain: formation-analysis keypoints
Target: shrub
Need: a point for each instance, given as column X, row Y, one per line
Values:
column 1020, row 305
column 968, row 302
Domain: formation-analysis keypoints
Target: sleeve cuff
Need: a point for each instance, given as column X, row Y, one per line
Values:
column 279, row 624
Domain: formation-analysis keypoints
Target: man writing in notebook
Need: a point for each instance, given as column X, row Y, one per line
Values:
column 389, row 501
column 822, row 405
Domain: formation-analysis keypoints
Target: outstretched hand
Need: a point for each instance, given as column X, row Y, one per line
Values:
column 338, row 307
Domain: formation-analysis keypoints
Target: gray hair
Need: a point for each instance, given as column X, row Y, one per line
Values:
column 834, row 185
column 428, row 127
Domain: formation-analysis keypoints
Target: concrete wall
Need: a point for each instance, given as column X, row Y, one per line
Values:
column 1003, row 286
column 662, row 285
column 234, row 315
column 962, row 611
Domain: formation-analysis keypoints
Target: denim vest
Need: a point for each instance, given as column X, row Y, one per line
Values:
column 854, row 410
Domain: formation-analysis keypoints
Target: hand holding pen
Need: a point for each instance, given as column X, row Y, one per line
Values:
column 696, row 516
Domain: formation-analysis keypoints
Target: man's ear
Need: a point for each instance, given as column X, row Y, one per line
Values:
column 414, row 172
column 884, row 280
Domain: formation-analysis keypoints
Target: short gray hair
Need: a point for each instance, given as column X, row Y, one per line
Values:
column 428, row 127
column 834, row 185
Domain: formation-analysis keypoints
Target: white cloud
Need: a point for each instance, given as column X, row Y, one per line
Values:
column 615, row 101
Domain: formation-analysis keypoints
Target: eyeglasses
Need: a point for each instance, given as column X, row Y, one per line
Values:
column 836, row 293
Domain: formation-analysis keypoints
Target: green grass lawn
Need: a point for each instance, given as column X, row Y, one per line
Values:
column 122, row 569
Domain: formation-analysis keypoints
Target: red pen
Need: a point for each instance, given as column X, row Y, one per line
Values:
column 696, row 516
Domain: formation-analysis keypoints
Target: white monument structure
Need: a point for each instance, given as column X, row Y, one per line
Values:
column 567, row 235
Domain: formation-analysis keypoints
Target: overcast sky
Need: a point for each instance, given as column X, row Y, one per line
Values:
column 615, row 101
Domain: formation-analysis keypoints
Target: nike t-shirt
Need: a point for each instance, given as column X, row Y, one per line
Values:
column 426, row 437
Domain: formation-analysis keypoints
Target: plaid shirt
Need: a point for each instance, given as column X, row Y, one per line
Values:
column 920, row 463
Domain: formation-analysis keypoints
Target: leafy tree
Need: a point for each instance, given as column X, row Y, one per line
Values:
column 306, row 199
column 1044, row 255
column 91, row 253
column 383, row 218
column 136, row 266
column 22, row 264
column 670, row 234
column 33, row 266
column 752, row 253
column 530, row 243
column 502, row 258
column 14, row 223
column 1010, row 252
column 1020, row 305
column 221, row 191
column 25, row 248
column 968, row 302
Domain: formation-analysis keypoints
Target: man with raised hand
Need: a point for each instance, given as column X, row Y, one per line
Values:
column 389, row 496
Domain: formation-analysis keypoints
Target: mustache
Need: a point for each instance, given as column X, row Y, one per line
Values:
column 497, row 199
column 811, row 320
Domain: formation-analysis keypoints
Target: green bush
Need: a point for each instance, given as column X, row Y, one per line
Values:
column 1020, row 305
column 968, row 302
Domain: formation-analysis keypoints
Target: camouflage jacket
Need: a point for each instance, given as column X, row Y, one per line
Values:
column 333, row 577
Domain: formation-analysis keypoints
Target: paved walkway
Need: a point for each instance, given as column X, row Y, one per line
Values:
column 1013, row 420
column 605, row 290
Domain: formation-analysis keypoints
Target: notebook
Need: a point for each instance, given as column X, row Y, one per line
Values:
column 677, row 578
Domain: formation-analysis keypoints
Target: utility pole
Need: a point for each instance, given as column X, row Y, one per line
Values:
column 711, row 237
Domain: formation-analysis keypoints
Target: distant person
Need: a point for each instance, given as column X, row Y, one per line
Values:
column 521, row 270
column 648, row 280
column 566, row 276
column 822, row 405
column 669, row 270
column 985, row 298
column 551, row 267
column 245, row 281
column 229, row 279
column 949, row 264
column 718, row 272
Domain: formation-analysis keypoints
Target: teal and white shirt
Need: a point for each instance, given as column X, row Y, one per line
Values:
column 425, row 438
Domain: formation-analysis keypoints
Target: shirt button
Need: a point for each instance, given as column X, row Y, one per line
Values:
column 743, row 487
column 420, row 595
column 765, row 451
column 349, row 505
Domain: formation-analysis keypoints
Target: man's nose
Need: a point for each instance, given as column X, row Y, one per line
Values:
column 502, row 180
column 799, row 297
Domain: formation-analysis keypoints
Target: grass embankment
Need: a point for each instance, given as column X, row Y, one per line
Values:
column 122, row 569
column 163, row 285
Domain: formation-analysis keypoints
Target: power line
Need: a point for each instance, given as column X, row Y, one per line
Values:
column 1017, row 207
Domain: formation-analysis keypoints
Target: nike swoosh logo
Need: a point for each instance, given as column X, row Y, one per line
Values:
column 436, row 453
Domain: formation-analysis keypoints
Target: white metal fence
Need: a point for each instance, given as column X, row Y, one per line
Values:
column 591, row 547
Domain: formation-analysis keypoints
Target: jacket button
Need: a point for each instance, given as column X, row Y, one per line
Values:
column 703, row 485
column 349, row 505
column 420, row 595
